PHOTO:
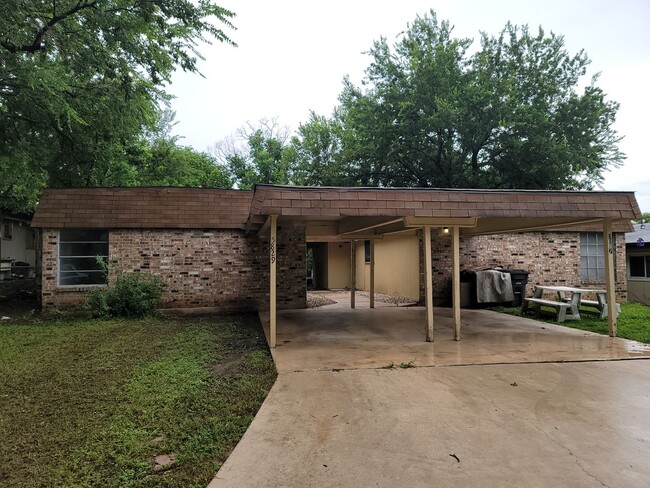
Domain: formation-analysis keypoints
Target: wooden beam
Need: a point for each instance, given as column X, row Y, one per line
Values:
column 266, row 225
column 428, row 284
column 372, row 273
column 351, row 225
column 455, row 279
column 273, row 244
column 353, row 272
column 610, row 277
column 527, row 228
column 440, row 221
column 321, row 229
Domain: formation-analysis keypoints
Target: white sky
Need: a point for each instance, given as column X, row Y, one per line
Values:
column 293, row 55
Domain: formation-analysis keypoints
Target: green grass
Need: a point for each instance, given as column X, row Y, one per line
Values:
column 633, row 322
column 91, row 403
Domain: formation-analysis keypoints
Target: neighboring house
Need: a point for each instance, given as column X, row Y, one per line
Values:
column 219, row 248
column 17, row 247
column 637, row 245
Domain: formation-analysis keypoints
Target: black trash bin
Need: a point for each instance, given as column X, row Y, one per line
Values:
column 468, row 289
column 519, row 279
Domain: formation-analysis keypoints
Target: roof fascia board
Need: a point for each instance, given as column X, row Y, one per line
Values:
column 539, row 227
column 440, row 221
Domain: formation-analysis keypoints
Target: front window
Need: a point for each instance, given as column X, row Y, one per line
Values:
column 592, row 256
column 7, row 230
column 639, row 266
column 79, row 250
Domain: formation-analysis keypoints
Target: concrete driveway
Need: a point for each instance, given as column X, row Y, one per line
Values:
column 531, row 423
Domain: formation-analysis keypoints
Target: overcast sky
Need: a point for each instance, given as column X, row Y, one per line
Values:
column 293, row 55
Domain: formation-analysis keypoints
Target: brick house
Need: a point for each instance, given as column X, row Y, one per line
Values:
column 224, row 249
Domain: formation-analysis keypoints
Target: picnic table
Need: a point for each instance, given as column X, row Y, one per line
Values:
column 568, row 302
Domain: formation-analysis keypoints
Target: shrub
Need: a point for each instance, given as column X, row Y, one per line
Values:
column 133, row 295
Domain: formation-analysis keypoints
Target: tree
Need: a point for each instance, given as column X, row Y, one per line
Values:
column 80, row 80
column 320, row 160
column 509, row 116
column 258, row 154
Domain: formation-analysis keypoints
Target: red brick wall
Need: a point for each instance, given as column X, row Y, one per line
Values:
column 552, row 258
column 212, row 268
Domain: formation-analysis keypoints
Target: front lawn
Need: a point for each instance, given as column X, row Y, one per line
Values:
column 633, row 322
column 119, row 403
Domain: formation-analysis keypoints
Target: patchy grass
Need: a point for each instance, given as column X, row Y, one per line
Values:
column 93, row 403
column 633, row 322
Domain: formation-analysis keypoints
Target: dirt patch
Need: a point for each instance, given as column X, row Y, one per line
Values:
column 18, row 300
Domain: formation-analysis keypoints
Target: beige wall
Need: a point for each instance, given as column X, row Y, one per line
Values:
column 397, row 267
column 338, row 269
column 21, row 246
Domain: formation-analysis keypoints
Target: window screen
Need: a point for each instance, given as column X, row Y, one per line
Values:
column 78, row 253
column 592, row 256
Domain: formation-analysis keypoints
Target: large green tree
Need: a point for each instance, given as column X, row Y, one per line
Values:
column 513, row 113
column 320, row 159
column 258, row 153
column 82, row 80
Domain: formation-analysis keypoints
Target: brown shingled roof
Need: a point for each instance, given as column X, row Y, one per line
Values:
column 205, row 208
column 149, row 208
column 419, row 202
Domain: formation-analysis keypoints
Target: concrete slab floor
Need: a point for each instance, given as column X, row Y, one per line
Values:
column 533, row 425
column 337, row 337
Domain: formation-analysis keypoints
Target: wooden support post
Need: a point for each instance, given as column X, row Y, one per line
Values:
column 353, row 272
column 455, row 279
column 273, row 280
column 372, row 273
column 428, row 281
column 610, row 277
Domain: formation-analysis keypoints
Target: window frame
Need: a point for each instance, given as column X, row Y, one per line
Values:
column 59, row 258
column 367, row 254
column 599, row 245
column 7, row 236
column 646, row 259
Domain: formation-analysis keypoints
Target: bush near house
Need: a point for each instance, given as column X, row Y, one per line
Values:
column 122, row 403
column 132, row 295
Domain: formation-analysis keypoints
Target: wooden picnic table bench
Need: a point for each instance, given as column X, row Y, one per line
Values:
column 571, row 298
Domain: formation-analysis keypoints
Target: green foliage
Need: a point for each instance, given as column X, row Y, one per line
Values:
column 432, row 112
column 319, row 153
column 80, row 80
column 259, row 155
column 132, row 295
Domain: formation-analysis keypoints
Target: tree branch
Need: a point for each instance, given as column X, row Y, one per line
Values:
column 37, row 44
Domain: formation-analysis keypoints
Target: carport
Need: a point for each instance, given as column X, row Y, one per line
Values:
column 335, row 337
column 354, row 214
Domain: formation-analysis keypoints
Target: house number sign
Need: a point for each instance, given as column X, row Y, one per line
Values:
column 273, row 250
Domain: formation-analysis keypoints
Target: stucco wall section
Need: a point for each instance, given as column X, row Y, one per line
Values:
column 338, row 265
column 396, row 266
column 201, row 268
column 552, row 258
